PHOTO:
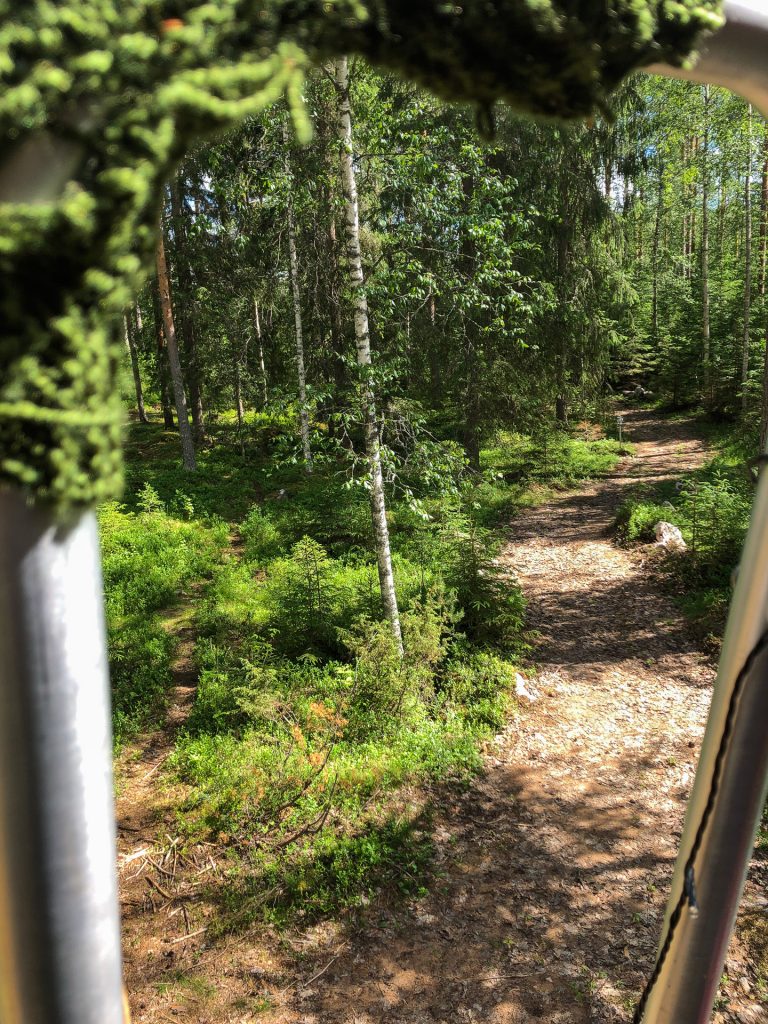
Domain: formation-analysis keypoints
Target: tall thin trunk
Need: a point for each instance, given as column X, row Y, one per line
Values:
column 185, row 433
column 185, row 318
column 764, row 213
column 239, row 395
column 434, row 355
column 260, row 351
column 721, row 226
column 471, row 388
column 563, row 258
column 764, row 405
column 686, row 212
column 130, row 344
column 297, row 319
column 336, row 323
column 655, row 257
column 747, row 262
column 705, row 325
column 162, row 359
column 363, row 340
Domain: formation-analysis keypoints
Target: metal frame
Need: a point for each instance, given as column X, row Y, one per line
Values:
column 59, row 916
column 737, row 58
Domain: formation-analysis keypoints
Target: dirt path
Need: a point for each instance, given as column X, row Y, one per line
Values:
column 555, row 866
column 552, row 870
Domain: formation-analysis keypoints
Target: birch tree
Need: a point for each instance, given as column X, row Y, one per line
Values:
column 260, row 351
column 363, row 345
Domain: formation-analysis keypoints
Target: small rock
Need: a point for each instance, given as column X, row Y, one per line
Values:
column 521, row 689
column 668, row 536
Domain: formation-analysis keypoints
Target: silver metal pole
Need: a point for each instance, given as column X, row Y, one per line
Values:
column 737, row 58
column 59, row 921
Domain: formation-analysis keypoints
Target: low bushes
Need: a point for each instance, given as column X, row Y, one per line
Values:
column 308, row 725
column 711, row 508
column 148, row 556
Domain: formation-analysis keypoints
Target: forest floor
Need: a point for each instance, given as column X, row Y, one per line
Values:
column 551, row 870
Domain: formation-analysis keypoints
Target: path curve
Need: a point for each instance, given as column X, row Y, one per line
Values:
column 556, row 865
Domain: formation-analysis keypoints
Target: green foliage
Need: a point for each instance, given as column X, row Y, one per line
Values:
column 552, row 455
column 140, row 654
column 306, row 714
column 147, row 557
column 492, row 606
column 340, row 871
column 712, row 509
column 260, row 536
column 479, row 685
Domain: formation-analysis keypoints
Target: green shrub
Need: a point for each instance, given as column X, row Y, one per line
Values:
column 712, row 509
column 261, row 537
column 479, row 686
column 636, row 519
column 491, row 603
column 147, row 558
column 552, row 455
column 234, row 692
column 140, row 654
column 339, row 871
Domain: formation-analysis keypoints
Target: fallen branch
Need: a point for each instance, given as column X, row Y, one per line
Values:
column 190, row 935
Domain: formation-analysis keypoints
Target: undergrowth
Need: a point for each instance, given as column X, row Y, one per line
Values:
column 711, row 507
column 311, row 744
column 148, row 557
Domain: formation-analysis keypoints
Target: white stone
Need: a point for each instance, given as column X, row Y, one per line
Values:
column 668, row 537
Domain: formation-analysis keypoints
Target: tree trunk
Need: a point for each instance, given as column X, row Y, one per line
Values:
column 130, row 343
column 705, row 325
column 764, row 212
column 299, row 327
column 747, row 263
column 336, row 323
column 186, row 322
column 164, row 284
column 563, row 259
column 764, row 408
column 655, row 256
column 260, row 351
column 686, row 213
column 363, row 340
column 472, row 402
column 434, row 355
column 162, row 359
column 239, row 395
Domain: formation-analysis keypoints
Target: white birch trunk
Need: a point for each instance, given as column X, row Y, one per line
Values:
column 260, row 350
column 363, row 341
column 294, row 259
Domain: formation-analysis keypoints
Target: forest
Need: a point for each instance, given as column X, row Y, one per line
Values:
column 376, row 339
